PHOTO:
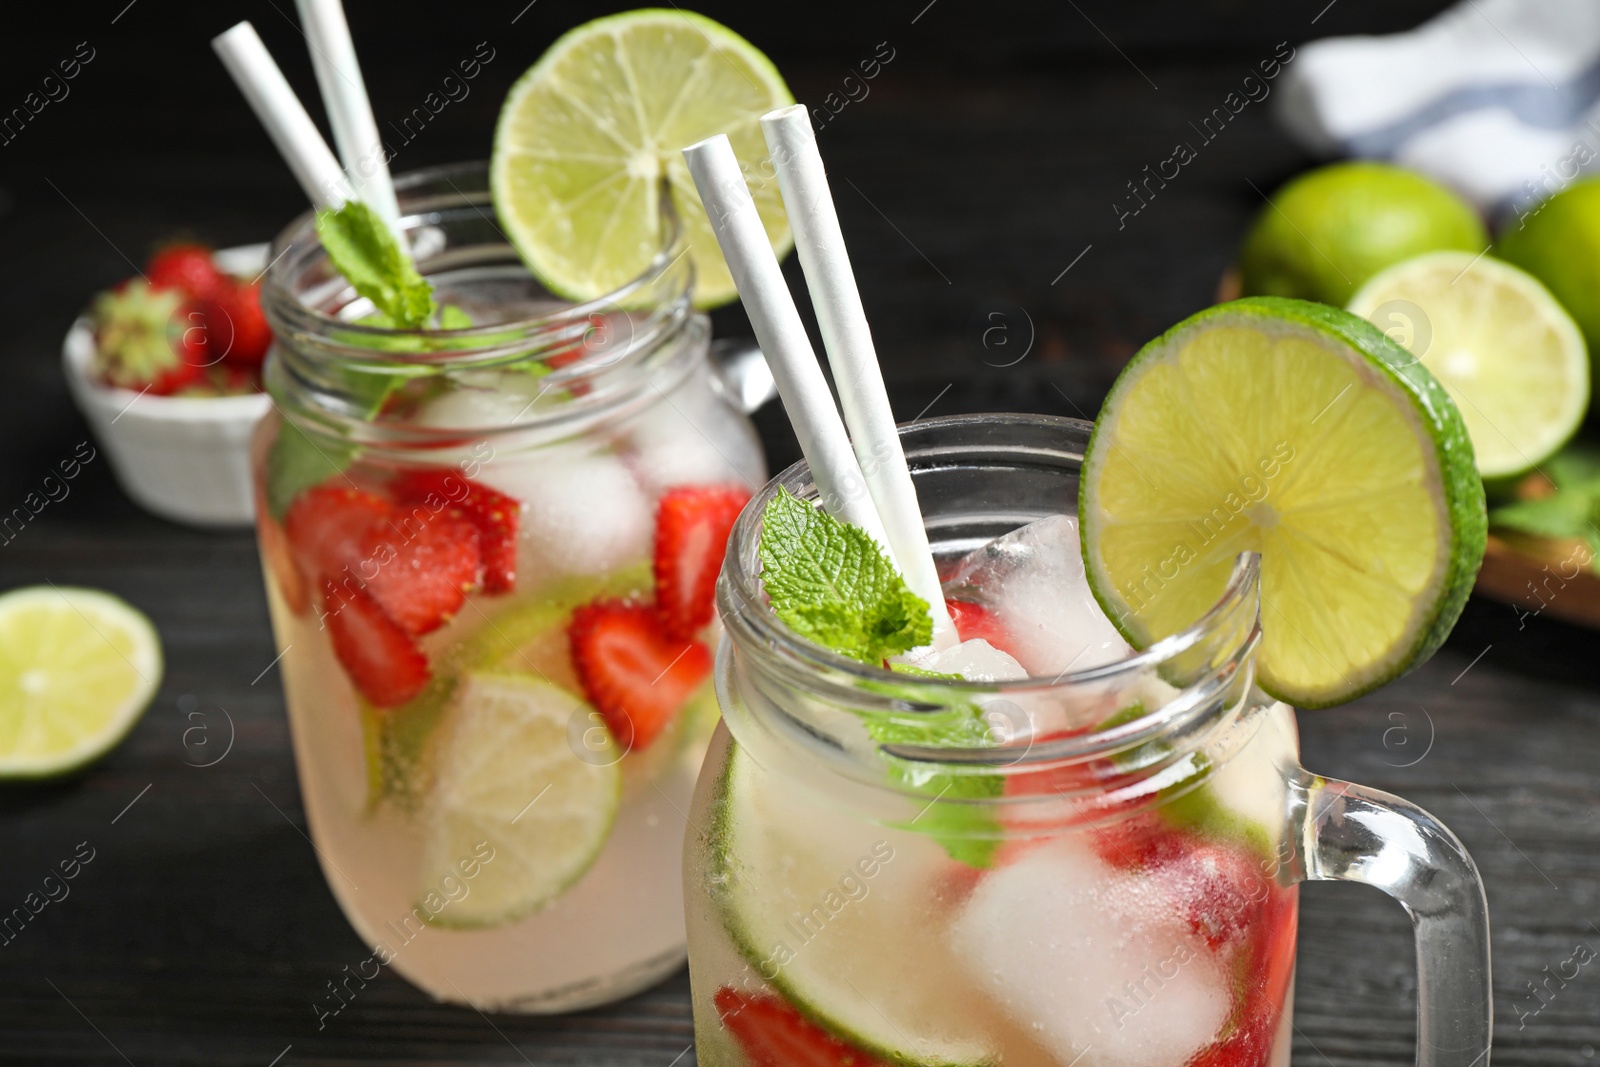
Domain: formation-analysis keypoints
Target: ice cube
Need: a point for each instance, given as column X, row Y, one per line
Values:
column 1032, row 579
column 976, row 661
column 484, row 400
column 582, row 512
column 691, row 437
column 1090, row 961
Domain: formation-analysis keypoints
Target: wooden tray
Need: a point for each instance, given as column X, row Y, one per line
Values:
column 1541, row 577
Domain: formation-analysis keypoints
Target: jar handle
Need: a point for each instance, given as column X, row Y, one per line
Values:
column 741, row 373
column 1354, row 834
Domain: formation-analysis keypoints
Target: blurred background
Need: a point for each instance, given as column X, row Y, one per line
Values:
column 987, row 155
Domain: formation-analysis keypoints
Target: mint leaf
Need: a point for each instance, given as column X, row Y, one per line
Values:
column 361, row 247
column 295, row 463
column 453, row 318
column 1575, row 467
column 1565, row 513
column 831, row 583
column 956, row 815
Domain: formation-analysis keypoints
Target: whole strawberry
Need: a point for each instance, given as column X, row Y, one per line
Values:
column 141, row 340
column 188, row 269
column 238, row 329
column 252, row 335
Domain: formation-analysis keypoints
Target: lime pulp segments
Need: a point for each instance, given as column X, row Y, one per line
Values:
column 588, row 148
column 77, row 668
column 512, row 786
column 1301, row 432
column 1510, row 356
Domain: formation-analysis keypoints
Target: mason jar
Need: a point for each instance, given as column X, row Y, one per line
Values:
column 498, row 712
column 1105, row 874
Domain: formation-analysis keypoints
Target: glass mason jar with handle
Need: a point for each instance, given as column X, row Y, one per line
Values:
column 498, row 712
column 1106, row 876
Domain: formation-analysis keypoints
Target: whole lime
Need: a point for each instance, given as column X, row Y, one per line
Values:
column 1560, row 245
column 1329, row 230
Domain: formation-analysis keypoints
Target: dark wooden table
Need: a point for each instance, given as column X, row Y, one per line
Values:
column 977, row 185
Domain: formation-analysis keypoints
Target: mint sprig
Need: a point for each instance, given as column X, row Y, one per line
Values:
column 1571, row 512
column 363, row 249
column 831, row 583
column 956, row 816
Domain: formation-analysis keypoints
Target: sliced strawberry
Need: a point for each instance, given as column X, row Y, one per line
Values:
column 692, row 527
column 1085, row 792
column 974, row 622
column 188, row 269
column 773, row 1034
column 1221, row 891
column 1259, row 1012
column 383, row 662
column 327, row 527
column 495, row 515
column 564, row 358
column 634, row 672
column 420, row 566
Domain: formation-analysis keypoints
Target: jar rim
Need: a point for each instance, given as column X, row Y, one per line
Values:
column 418, row 198
column 752, row 625
column 628, row 340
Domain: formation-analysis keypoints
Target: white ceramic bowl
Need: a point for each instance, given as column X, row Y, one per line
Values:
column 183, row 458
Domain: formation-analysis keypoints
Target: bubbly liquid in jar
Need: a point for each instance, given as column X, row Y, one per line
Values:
column 487, row 837
column 1159, row 935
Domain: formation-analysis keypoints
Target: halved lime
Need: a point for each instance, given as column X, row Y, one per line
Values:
column 589, row 142
column 1301, row 432
column 1511, row 357
column 77, row 667
column 512, row 787
column 839, row 920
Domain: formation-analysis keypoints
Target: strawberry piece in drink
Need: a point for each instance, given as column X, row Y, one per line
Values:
column 420, row 571
column 495, row 515
column 633, row 671
column 327, row 527
column 382, row 661
column 1270, row 967
column 975, row 622
column 773, row 1034
column 692, row 527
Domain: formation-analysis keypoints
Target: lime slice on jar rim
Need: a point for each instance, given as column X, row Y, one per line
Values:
column 589, row 141
column 1510, row 356
column 77, row 669
column 1301, row 432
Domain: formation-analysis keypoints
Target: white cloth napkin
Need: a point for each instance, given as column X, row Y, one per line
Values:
column 1499, row 99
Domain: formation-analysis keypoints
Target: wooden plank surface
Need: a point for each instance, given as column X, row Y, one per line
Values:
column 202, row 932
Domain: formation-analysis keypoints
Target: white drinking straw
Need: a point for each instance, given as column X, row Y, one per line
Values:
column 848, row 340
column 279, row 110
column 772, row 312
column 344, row 95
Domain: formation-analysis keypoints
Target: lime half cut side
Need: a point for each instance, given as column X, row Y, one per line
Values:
column 77, row 667
column 1301, row 432
column 1511, row 357
column 590, row 138
column 514, row 801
